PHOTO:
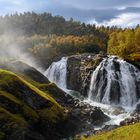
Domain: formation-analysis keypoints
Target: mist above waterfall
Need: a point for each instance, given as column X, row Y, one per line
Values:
column 12, row 50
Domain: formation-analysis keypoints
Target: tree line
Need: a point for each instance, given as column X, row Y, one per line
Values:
column 30, row 23
column 125, row 43
column 47, row 37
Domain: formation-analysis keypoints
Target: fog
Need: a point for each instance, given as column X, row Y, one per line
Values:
column 12, row 49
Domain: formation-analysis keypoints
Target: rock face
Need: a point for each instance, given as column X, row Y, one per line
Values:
column 79, row 70
column 86, row 117
column 74, row 80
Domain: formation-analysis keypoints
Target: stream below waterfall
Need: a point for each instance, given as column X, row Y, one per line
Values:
column 112, row 75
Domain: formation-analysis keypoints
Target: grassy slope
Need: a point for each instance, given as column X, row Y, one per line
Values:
column 18, row 110
column 34, row 77
column 131, row 132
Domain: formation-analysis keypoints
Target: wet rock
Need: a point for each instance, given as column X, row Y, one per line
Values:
column 105, row 129
column 134, row 118
column 73, row 73
column 87, row 117
column 98, row 117
column 79, row 70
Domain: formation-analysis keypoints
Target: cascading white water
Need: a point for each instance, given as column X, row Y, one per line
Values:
column 57, row 73
column 115, row 81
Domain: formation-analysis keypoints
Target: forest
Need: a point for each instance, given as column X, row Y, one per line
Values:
column 53, row 36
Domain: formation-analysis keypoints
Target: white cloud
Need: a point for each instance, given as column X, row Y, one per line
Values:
column 121, row 7
column 123, row 20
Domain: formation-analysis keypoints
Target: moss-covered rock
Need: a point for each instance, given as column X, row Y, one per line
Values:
column 74, row 80
column 26, row 71
column 25, row 110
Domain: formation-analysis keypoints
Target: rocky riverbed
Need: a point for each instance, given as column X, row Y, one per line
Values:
column 102, row 85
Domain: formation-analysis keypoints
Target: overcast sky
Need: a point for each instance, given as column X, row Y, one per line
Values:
column 108, row 12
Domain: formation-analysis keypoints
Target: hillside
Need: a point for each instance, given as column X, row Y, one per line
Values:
column 123, row 133
column 26, row 111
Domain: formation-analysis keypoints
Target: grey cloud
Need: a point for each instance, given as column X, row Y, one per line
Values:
column 101, row 4
column 82, row 10
column 85, row 15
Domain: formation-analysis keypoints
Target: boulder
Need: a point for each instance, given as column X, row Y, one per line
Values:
column 74, row 80
column 79, row 70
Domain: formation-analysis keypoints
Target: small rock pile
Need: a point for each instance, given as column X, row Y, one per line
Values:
column 134, row 118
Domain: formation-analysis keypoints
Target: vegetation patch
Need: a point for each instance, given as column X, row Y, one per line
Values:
column 23, row 106
column 130, row 132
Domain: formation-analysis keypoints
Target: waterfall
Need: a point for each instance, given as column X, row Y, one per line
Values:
column 114, row 86
column 57, row 73
column 115, row 81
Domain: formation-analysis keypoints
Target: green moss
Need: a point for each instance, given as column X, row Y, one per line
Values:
column 131, row 132
column 24, row 106
column 13, row 104
column 10, row 124
column 11, row 120
column 10, row 97
column 8, row 80
column 49, row 115
column 40, row 93
column 7, row 77
column 30, row 114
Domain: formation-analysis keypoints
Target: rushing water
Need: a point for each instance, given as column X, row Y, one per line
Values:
column 57, row 73
column 115, row 82
column 114, row 86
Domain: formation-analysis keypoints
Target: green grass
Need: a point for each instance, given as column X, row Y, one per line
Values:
column 131, row 132
column 11, row 85
column 6, row 77
column 13, row 104
column 24, row 105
